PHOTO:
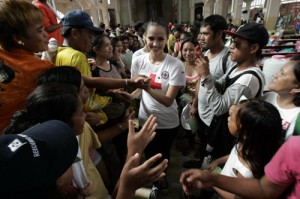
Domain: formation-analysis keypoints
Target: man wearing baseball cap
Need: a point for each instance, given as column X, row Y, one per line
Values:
column 32, row 161
column 244, row 79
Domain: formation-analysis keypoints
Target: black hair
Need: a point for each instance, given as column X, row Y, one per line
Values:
column 50, row 101
column 296, row 61
column 216, row 23
column 138, row 25
column 124, row 37
column 259, row 133
column 186, row 34
column 62, row 75
column 114, row 41
column 158, row 23
column 97, row 42
column 189, row 39
column 194, row 31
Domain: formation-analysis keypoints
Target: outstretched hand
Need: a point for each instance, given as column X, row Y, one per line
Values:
column 140, row 81
column 194, row 179
column 134, row 176
column 137, row 141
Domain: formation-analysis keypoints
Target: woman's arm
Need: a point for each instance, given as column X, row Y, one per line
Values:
column 165, row 99
column 139, row 81
column 245, row 187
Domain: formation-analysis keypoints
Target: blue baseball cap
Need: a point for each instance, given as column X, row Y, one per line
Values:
column 32, row 161
column 78, row 18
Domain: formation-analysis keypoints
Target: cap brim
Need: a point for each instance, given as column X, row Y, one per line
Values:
column 99, row 30
column 227, row 32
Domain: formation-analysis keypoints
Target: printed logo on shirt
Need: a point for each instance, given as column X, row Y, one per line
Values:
column 165, row 74
column 154, row 83
column 285, row 125
column 6, row 73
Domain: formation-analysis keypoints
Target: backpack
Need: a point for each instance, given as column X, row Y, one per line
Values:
column 219, row 136
column 224, row 61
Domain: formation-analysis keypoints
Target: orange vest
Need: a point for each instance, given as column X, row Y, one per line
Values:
column 26, row 67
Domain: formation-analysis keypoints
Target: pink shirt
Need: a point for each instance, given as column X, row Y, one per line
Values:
column 284, row 168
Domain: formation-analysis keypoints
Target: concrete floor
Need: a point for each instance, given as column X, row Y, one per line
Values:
column 174, row 171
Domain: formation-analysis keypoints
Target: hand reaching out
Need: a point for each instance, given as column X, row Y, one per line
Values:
column 194, row 179
column 137, row 141
column 134, row 176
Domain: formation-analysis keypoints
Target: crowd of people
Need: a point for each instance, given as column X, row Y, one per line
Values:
column 67, row 122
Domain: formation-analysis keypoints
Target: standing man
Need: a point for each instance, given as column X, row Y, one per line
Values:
column 50, row 22
column 212, row 40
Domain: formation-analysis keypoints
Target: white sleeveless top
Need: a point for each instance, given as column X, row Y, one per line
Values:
column 234, row 166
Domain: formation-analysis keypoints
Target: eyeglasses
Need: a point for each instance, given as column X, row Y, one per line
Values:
column 236, row 42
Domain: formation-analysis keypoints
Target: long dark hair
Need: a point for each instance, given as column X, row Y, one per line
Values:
column 47, row 102
column 62, row 75
column 260, row 133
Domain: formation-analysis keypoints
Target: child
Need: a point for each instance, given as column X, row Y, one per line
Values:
column 257, row 126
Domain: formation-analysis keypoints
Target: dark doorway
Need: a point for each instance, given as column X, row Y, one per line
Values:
column 154, row 9
column 199, row 12
column 112, row 17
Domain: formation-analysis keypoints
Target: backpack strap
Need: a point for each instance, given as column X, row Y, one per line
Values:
column 297, row 126
column 224, row 61
column 229, row 82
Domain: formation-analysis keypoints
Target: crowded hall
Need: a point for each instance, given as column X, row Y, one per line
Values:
column 149, row 99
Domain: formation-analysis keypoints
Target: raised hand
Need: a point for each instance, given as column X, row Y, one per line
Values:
column 137, row 141
column 202, row 66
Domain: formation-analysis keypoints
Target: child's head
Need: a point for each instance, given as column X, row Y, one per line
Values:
column 65, row 75
column 188, row 49
column 101, row 47
column 50, row 101
column 249, row 39
column 257, row 126
column 184, row 35
column 156, row 37
column 287, row 80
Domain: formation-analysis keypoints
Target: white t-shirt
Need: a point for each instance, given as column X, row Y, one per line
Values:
column 288, row 116
column 169, row 72
column 234, row 165
column 138, row 53
column 216, row 63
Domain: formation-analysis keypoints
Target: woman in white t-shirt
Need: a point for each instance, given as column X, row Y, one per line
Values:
column 285, row 95
column 167, row 76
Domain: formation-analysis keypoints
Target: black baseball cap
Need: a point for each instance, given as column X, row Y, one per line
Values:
column 252, row 32
column 32, row 161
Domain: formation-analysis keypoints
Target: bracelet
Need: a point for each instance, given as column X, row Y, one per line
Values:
column 126, row 82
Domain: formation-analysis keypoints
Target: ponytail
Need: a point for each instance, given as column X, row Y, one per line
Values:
column 18, row 123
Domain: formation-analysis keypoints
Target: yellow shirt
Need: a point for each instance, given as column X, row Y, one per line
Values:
column 67, row 56
column 88, row 140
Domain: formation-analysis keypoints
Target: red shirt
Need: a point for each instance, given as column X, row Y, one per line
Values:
column 50, row 20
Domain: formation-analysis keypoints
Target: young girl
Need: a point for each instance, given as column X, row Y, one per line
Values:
column 285, row 95
column 257, row 126
column 167, row 77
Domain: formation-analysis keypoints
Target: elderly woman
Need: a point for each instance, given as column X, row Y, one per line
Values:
column 22, row 34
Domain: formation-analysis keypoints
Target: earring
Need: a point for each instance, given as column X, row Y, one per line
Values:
column 20, row 42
